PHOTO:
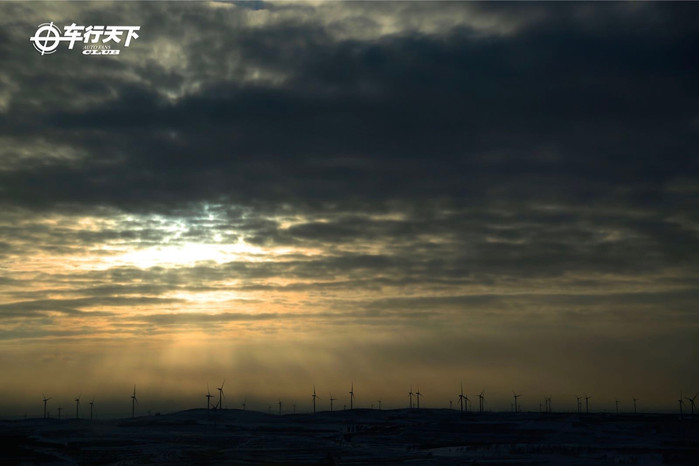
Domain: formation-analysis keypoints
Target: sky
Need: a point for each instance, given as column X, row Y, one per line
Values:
column 391, row 195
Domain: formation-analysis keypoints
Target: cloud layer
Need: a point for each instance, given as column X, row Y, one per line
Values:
column 430, row 179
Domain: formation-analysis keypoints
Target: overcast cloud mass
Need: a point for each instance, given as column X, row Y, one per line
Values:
column 289, row 194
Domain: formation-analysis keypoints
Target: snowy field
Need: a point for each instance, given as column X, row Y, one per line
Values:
column 416, row 437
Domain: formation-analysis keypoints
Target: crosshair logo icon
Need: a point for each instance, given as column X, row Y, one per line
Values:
column 46, row 38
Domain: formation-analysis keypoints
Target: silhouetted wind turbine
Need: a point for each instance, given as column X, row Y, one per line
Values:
column 280, row 407
column 314, row 399
column 331, row 402
column 59, row 412
column 691, row 401
column 417, row 396
column 133, row 402
column 548, row 404
column 579, row 404
column 462, row 397
column 481, row 400
column 616, row 402
column 380, row 406
column 220, row 394
column 634, row 405
column 208, row 398
column 244, row 404
column 587, row 404
column 351, row 393
column 45, row 400
column 516, row 396
column 77, row 407
column 92, row 405
column 410, row 396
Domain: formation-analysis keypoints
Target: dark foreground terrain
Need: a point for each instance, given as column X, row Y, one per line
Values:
column 417, row 437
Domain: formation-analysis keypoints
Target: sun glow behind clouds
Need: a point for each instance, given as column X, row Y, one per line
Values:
column 189, row 254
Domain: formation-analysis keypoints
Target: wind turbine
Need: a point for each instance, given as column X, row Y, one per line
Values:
column 351, row 393
column 208, row 398
column 92, row 405
column 280, row 407
column 244, row 404
column 220, row 394
column 691, row 402
column 77, row 407
column 481, row 401
column 516, row 396
column 579, row 404
column 410, row 396
column 587, row 404
column 59, row 412
column 461, row 398
column 45, row 400
column 418, row 395
column 634, row 405
column 331, row 402
column 134, row 401
column 380, row 406
column 548, row 404
column 616, row 402
column 681, row 402
column 314, row 399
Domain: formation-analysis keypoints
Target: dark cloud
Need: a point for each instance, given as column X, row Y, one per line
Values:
column 559, row 111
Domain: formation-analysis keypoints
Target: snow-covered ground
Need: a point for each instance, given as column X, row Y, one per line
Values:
column 425, row 436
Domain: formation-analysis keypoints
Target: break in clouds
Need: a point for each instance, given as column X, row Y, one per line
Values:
column 420, row 182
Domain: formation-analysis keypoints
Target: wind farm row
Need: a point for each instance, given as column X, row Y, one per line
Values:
column 465, row 404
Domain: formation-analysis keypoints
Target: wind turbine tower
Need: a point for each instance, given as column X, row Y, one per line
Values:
column 587, row 404
column 92, row 405
column 133, row 402
column 634, row 405
column 314, row 399
column 208, row 398
column 351, row 393
column 516, row 397
column 331, row 402
column 410, row 397
column 481, row 401
column 77, row 407
column 45, row 400
column 220, row 394
column 417, row 396
column 691, row 402
column 461, row 398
